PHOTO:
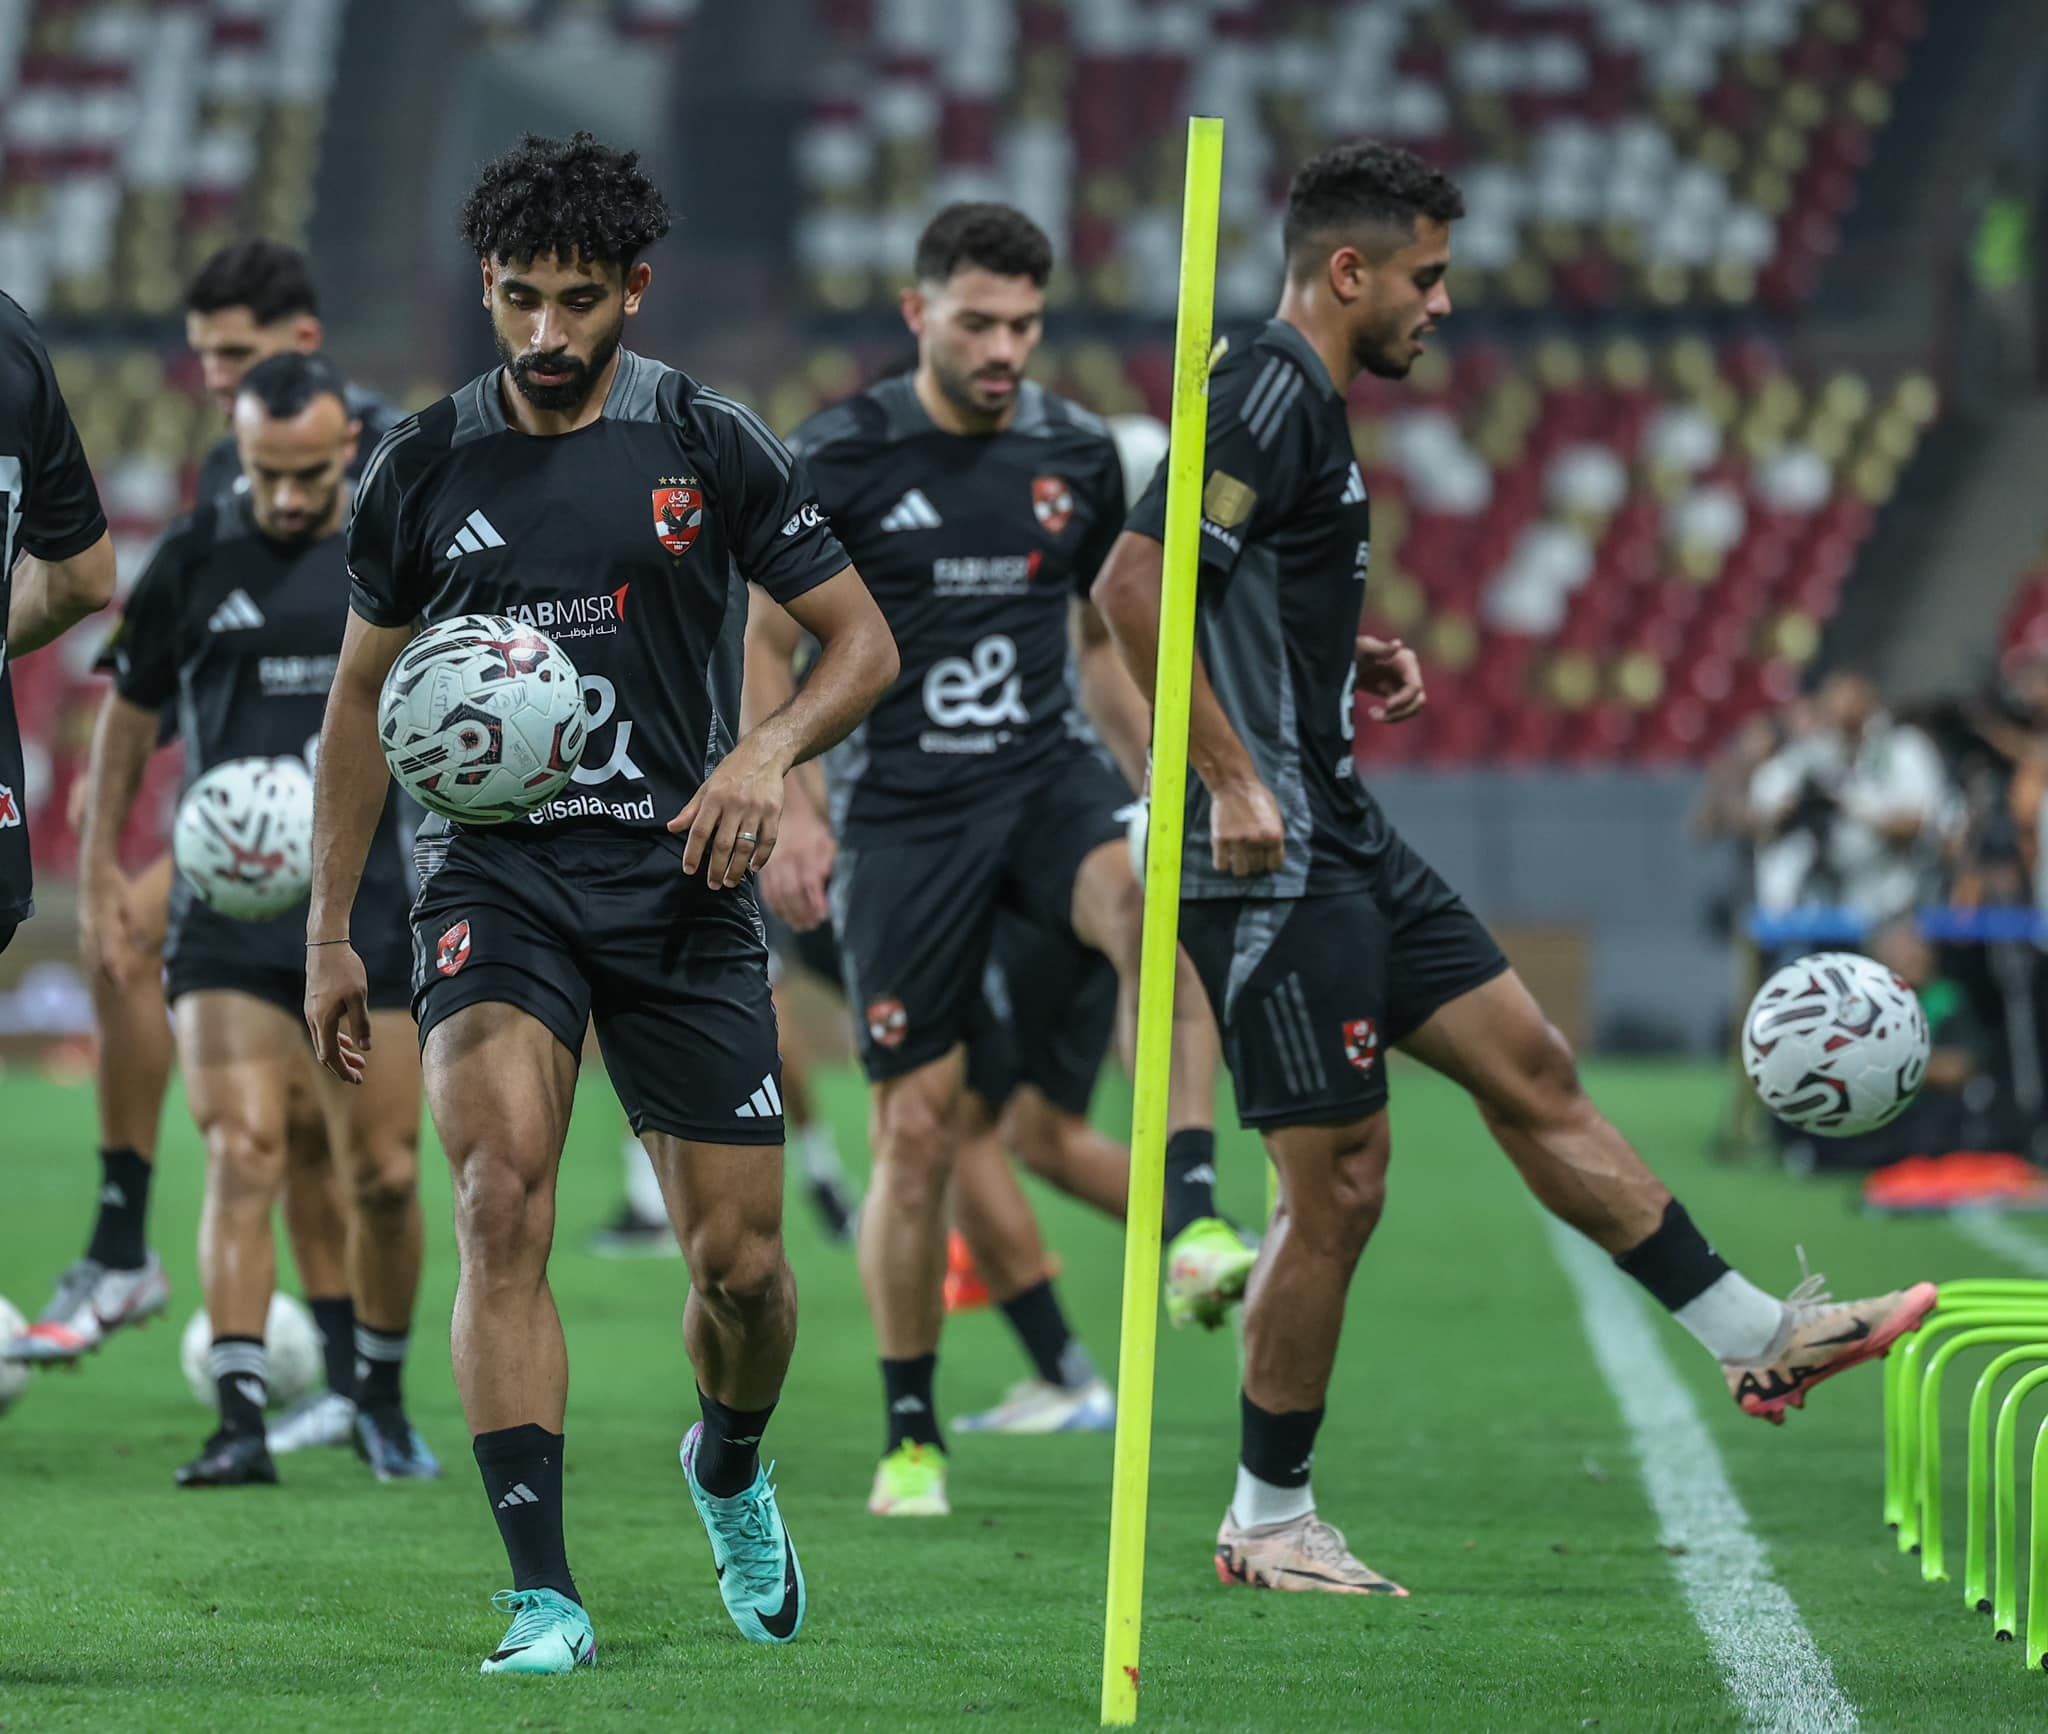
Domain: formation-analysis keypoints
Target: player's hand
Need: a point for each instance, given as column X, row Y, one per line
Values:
column 338, row 1010
column 793, row 884
column 108, row 943
column 1246, row 833
column 731, row 823
column 1390, row 675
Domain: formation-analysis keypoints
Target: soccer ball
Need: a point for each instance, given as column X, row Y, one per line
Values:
column 1835, row 1044
column 290, row 1339
column 13, row 1374
column 482, row 719
column 243, row 837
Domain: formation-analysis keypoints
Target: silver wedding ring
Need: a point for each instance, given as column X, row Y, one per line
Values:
column 748, row 837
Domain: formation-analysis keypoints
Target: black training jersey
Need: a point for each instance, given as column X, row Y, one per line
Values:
column 1286, row 539
column 630, row 542
column 238, row 635
column 974, row 547
column 48, row 508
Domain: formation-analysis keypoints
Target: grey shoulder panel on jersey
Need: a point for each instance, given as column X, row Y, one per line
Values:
column 842, row 421
column 478, row 413
column 757, row 430
column 1043, row 413
column 636, row 389
column 902, row 414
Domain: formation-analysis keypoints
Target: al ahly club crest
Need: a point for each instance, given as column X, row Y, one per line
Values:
column 678, row 516
column 1053, row 501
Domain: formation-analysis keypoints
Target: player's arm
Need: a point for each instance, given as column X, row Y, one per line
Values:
column 68, row 571
column 350, row 786
column 388, row 591
column 744, row 796
column 1247, row 833
column 49, row 597
column 123, row 739
column 1112, row 700
column 794, row 880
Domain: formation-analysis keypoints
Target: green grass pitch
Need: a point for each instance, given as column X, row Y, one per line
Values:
column 1472, row 1450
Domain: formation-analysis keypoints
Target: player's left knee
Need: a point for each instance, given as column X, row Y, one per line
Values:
column 387, row 1180
column 733, row 1265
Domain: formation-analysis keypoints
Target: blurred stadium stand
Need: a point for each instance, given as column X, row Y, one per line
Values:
column 1743, row 381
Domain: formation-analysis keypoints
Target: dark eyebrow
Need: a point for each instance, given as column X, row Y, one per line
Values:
column 589, row 286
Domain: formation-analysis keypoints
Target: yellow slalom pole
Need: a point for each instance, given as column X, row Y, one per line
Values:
column 1140, row 1338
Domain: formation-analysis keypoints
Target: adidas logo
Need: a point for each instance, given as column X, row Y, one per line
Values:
column 907, row 1406
column 1202, row 1174
column 1354, row 488
column 236, row 614
column 474, row 537
column 253, row 1391
column 913, row 512
column 521, row 1494
column 112, row 1195
column 764, row 1104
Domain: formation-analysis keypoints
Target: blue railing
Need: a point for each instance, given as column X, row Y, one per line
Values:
column 1791, row 927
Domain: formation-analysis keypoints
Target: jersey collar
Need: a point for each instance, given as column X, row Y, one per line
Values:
column 1284, row 336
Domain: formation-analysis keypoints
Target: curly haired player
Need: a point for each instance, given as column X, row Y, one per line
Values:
column 633, row 505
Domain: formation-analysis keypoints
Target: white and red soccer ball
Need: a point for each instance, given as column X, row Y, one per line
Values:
column 1835, row 1044
column 482, row 719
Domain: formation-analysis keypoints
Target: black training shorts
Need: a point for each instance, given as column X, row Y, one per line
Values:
column 915, row 909
column 1311, row 992
column 605, row 926
column 205, row 951
column 1047, row 1012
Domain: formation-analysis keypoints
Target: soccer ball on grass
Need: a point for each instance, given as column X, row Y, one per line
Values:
column 291, row 1342
column 482, row 719
column 1836, row 1044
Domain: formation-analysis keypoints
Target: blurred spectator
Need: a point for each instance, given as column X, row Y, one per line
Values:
column 2001, row 273
column 1852, row 812
column 1723, row 818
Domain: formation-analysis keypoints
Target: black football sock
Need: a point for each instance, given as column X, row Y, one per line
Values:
column 522, row 1471
column 117, row 1232
column 1674, row 1263
column 335, row 1316
column 907, row 1389
column 729, row 1449
column 1190, row 1179
column 1041, row 1327
column 380, row 1369
column 1278, row 1447
column 241, row 1380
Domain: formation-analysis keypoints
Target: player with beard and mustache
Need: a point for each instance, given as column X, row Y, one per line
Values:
column 235, row 626
column 1322, row 939
column 619, row 505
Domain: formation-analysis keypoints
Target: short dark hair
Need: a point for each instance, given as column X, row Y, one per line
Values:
column 285, row 384
column 1366, row 183
column 997, row 238
column 270, row 279
column 575, row 198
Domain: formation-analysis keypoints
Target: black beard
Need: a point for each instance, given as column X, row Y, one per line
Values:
column 572, row 393
column 958, row 390
column 1375, row 362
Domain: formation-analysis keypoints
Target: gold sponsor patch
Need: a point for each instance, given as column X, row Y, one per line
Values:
column 1226, row 501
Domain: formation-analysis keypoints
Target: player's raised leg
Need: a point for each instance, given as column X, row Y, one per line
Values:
column 501, row 1086
column 903, row 1268
column 1333, row 1182
column 739, row 1324
column 1207, row 1261
column 374, row 1128
column 1497, row 1044
column 238, row 1054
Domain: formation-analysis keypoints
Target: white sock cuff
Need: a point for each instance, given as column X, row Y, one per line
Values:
column 1259, row 1503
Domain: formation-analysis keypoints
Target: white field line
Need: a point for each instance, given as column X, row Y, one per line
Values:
column 1996, row 1235
column 1776, row 1676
